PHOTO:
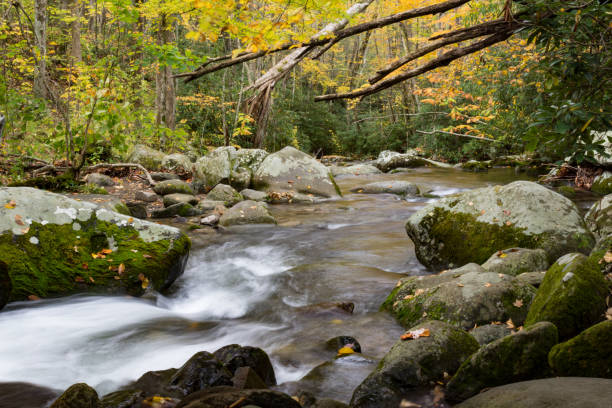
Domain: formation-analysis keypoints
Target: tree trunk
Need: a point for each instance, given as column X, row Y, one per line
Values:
column 40, row 34
column 165, row 91
column 75, row 28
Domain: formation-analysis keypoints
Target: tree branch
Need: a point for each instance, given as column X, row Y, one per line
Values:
column 484, row 139
column 116, row 165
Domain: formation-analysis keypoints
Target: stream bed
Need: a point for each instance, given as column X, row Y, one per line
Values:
column 251, row 285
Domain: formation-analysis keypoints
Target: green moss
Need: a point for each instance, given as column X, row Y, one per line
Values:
column 409, row 312
column 602, row 187
column 91, row 188
column 572, row 305
column 587, row 355
column 567, row 191
column 333, row 181
column 62, row 262
column 63, row 183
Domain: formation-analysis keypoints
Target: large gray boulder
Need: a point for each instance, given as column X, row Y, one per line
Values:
column 470, row 226
column 250, row 158
column 599, row 217
column 292, row 170
column 414, row 363
column 54, row 245
column 151, row 159
column 514, row 261
column 178, row 163
column 460, row 297
column 517, row 357
column 227, row 165
column 101, row 180
column 247, row 212
column 566, row 392
column 225, row 193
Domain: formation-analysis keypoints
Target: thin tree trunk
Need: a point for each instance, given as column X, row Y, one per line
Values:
column 165, row 90
column 75, row 28
column 40, row 34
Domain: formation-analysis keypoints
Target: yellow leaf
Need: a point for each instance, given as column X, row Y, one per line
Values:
column 608, row 257
column 10, row 205
column 345, row 350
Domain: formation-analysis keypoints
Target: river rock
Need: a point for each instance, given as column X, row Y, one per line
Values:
column 122, row 399
column 109, row 202
column 533, row 278
column 338, row 342
column 572, row 295
column 210, row 205
column 177, row 163
column 470, row 226
column 253, row 195
column 292, row 170
column 289, row 197
column 517, row 357
column 515, row 261
column 47, row 241
column 146, row 196
column 163, row 176
column 240, row 178
column 567, row 392
column 178, row 198
column 227, row 194
column 414, row 363
column 602, row 184
column 5, row 285
column 153, row 383
column 403, row 188
column 464, row 299
column 150, row 159
column 354, row 170
column 599, row 217
column 214, row 168
column 172, row 186
column 388, row 160
column 180, row 209
column 587, row 355
column 247, row 212
column 25, row 395
column 223, row 397
column 490, row 332
column 201, row 371
column 250, row 159
column 137, row 209
column 77, row 396
column 235, row 356
column 101, row 180
column 475, row 166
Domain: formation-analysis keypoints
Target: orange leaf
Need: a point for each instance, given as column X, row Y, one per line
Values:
column 121, row 269
column 415, row 334
column 91, row 279
column 106, row 251
column 33, row 297
column 18, row 219
column 79, row 279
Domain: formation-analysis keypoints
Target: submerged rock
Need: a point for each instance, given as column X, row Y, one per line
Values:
column 247, row 212
column 354, row 170
column 599, row 217
column 570, row 392
column 292, row 170
column 587, row 355
column 172, row 186
column 414, row 363
column 470, row 226
column 515, row 261
column 403, row 188
column 517, row 357
column 77, row 396
column 572, row 295
column 54, row 245
column 151, row 159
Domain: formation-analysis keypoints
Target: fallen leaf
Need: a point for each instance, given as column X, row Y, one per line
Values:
column 608, row 257
column 91, row 279
column 508, row 223
column 121, row 269
column 345, row 351
column 18, row 219
column 488, row 285
column 145, row 283
column 438, row 395
column 117, row 277
column 503, row 255
column 33, row 297
column 409, row 404
column 510, row 324
column 398, row 284
column 10, row 205
column 482, row 212
column 419, row 292
column 415, row 334
column 130, row 220
column 460, row 285
column 518, row 303
column 106, row 251
column 85, row 266
column 79, row 279
column 134, row 251
column 408, row 297
column 336, row 321
column 25, row 230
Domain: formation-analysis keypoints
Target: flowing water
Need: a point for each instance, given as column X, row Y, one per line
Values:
column 250, row 285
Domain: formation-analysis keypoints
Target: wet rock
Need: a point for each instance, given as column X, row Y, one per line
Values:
column 533, row 278
column 517, row 357
column 172, row 186
column 515, row 261
column 247, row 378
column 572, row 295
column 414, row 363
column 599, row 217
column 25, row 395
column 178, row 198
column 569, row 392
column 211, row 220
column 289, row 197
column 587, row 355
column 470, row 226
column 160, row 176
column 180, row 209
column 153, row 382
column 138, row 210
column 388, row 160
column 489, row 333
column 5, row 285
column 177, row 163
column 150, row 159
column 475, row 166
column 235, row 356
column 254, row 195
column 46, row 239
column 122, row 399
column 338, row 342
column 603, row 183
column 328, row 307
column 354, row 170
column 247, row 212
column 227, row 194
column 292, row 170
column 223, row 397
column 403, row 188
column 201, row 371
column 146, row 196
column 209, row 205
column 77, row 396
column 100, row 180
column 240, row 178
column 464, row 299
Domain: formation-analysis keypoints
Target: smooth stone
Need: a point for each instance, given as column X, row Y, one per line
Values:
column 254, row 195
column 225, row 193
column 247, row 212
column 490, row 332
column 235, row 356
column 178, row 198
column 403, row 188
column 201, row 371
column 172, row 186
column 160, row 176
column 181, row 209
column 146, row 196
column 98, row 179
column 514, row 261
column 25, row 395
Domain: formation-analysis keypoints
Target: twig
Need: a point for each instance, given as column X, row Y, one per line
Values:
column 118, row 165
column 484, row 139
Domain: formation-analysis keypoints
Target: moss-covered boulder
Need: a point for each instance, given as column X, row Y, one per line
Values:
column 461, row 298
column 470, row 226
column 247, row 212
column 214, row 168
column 77, row 396
column 179, row 209
column 178, row 163
column 227, row 194
column 240, row 178
column 414, row 363
column 514, row 261
column 54, row 245
column 178, row 198
column 292, row 170
column 517, row 357
column 173, row 187
column 475, row 166
column 603, row 183
column 572, row 295
column 599, row 217
column 100, row 180
column 122, row 399
column 490, row 332
column 566, row 392
column 587, row 355
column 5, row 285
column 151, row 159
column 399, row 187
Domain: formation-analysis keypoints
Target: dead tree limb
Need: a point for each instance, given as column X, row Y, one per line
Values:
column 119, row 165
column 484, row 139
